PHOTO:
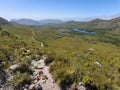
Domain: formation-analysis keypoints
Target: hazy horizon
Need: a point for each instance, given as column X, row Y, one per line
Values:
column 59, row 9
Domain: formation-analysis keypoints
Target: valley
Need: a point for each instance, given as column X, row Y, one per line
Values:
column 87, row 58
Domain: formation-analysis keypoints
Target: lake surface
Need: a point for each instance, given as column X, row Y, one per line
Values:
column 83, row 31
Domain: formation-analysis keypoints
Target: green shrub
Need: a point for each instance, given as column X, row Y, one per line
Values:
column 86, row 80
column 5, row 33
column 0, row 28
column 24, row 66
column 49, row 59
column 20, row 79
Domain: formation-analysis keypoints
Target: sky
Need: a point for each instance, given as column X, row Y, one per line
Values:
column 58, row 9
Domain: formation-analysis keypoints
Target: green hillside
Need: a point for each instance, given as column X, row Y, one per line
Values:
column 73, row 57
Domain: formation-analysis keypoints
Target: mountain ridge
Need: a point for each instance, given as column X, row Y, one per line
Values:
column 24, row 21
column 96, row 23
column 3, row 21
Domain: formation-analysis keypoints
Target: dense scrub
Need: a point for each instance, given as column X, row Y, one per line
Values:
column 95, row 68
column 13, row 52
column 72, row 57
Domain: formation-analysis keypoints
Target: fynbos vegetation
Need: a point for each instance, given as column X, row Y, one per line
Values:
column 73, row 58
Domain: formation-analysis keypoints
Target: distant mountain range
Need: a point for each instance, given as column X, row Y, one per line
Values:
column 96, row 23
column 34, row 22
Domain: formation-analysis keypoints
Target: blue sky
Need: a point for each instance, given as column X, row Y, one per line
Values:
column 58, row 9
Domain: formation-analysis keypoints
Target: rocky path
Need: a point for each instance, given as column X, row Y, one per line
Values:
column 32, row 37
column 33, row 34
column 48, row 82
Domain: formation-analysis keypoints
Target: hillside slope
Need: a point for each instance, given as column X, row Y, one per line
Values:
column 3, row 21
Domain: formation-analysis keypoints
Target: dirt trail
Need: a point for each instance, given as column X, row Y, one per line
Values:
column 33, row 34
column 32, row 37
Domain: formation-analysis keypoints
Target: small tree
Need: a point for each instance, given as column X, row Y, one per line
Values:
column 0, row 28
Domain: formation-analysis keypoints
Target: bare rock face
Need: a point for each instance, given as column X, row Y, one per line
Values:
column 81, row 88
column 13, row 67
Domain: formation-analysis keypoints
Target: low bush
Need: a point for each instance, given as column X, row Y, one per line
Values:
column 21, row 79
column 49, row 59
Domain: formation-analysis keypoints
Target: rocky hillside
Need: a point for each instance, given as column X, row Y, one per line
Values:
column 3, row 21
